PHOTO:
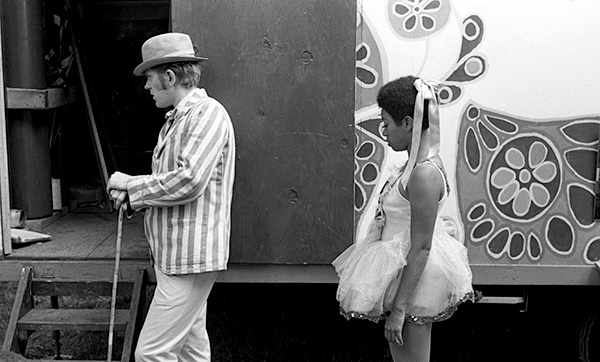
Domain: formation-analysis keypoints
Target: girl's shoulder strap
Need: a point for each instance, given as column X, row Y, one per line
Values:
column 442, row 172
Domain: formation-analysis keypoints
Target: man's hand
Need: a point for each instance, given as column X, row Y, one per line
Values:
column 118, row 181
column 119, row 198
column 117, row 188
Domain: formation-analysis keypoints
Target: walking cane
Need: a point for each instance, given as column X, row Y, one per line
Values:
column 114, row 287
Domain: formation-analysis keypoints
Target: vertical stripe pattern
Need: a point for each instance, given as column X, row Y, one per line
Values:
column 188, row 195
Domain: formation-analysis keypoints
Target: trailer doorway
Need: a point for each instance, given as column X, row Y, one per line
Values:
column 286, row 75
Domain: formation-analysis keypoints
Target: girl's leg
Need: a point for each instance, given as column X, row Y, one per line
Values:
column 417, row 344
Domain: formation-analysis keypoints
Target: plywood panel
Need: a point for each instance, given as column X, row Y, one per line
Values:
column 88, row 236
column 285, row 72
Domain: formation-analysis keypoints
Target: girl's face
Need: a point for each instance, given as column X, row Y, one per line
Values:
column 161, row 92
column 398, row 136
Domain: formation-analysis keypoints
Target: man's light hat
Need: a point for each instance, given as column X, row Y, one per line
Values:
column 167, row 48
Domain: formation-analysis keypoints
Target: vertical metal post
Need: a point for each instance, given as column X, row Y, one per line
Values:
column 28, row 130
column 5, row 243
column 597, row 187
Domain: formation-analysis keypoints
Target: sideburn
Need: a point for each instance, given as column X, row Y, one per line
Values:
column 162, row 80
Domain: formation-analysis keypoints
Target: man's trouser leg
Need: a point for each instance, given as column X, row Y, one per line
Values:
column 175, row 326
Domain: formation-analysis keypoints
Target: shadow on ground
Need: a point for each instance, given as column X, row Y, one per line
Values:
column 301, row 322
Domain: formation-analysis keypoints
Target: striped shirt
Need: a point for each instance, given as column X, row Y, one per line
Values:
column 188, row 195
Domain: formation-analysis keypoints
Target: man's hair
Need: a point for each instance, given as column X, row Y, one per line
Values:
column 397, row 98
column 187, row 73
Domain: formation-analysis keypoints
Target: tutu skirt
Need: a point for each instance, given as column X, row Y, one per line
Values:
column 370, row 275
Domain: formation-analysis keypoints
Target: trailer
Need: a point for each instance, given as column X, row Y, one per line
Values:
column 520, row 125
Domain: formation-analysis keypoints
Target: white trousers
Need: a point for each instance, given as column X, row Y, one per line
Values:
column 175, row 327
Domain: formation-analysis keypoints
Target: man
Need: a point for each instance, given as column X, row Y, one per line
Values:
column 187, row 200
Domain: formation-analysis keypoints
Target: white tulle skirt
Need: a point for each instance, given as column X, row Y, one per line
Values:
column 370, row 275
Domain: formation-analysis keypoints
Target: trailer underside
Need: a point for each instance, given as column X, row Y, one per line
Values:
column 83, row 244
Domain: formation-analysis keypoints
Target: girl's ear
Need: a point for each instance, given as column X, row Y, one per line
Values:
column 407, row 121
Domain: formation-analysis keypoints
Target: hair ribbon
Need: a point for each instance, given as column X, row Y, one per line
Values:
column 426, row 90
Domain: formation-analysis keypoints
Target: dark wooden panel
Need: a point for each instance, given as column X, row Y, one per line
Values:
column 285, row 72
column 78, row 289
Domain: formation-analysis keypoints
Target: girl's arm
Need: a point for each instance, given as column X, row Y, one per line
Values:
column 425, row 188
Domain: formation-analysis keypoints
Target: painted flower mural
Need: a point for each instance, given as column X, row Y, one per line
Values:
column 525, row 178
column 526, row 188
column 408, row 20
column 417, row 18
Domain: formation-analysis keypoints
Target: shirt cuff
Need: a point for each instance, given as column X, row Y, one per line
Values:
column 135, row 190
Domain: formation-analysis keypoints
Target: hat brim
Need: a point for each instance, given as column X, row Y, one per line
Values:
column 144, row 66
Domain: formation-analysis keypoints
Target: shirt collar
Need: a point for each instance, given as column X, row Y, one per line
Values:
column 186, row 103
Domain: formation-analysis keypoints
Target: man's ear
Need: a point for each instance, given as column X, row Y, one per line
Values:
column 171, row 78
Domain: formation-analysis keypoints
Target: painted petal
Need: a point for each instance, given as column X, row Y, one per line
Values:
column 359, row 196
column 585, row 132
column 489, row 138
column 560, row 235
column 534, row 247
column 539, row 195
column 503, row 125
column 502, row 177
column 545, row 172
column 474, row 66
column 366, row 76
column 369, row 173
column 514, row 158
column 476, row 212
column 498, row 242
column 401, row 9
column 472, row 150
column 517, row 246
column 522, row 202
column 592, row 252
column 427, row 22
column 537, row 154
column 410, row 23
column 581, row 201
column 433, row 6
column 362, row 53
column 482, row 230
column 508, row 193
column 583, row 163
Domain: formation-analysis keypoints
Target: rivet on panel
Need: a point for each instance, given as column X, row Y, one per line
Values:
column 307, row 57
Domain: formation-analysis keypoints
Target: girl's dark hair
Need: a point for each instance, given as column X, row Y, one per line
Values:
column 397, row 97
column 187, row 73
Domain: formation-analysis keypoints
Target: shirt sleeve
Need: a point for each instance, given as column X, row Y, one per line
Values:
column 201, row 149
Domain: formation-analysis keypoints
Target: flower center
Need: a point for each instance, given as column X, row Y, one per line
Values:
column 524, row 176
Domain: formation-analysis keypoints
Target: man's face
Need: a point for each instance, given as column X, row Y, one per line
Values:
column 158, row 87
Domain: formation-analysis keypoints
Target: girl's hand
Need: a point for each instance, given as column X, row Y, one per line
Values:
column 393, row 327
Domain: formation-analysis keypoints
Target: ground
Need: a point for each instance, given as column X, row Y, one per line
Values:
column 296, row 322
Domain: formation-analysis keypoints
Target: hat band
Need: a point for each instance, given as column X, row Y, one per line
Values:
column 180, row 53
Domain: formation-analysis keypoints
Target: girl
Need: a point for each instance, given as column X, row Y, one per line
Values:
column 409, row 270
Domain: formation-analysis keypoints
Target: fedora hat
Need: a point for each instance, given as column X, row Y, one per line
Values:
column 166, row 48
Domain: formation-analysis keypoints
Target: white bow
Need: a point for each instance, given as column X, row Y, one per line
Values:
column 426, row 91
